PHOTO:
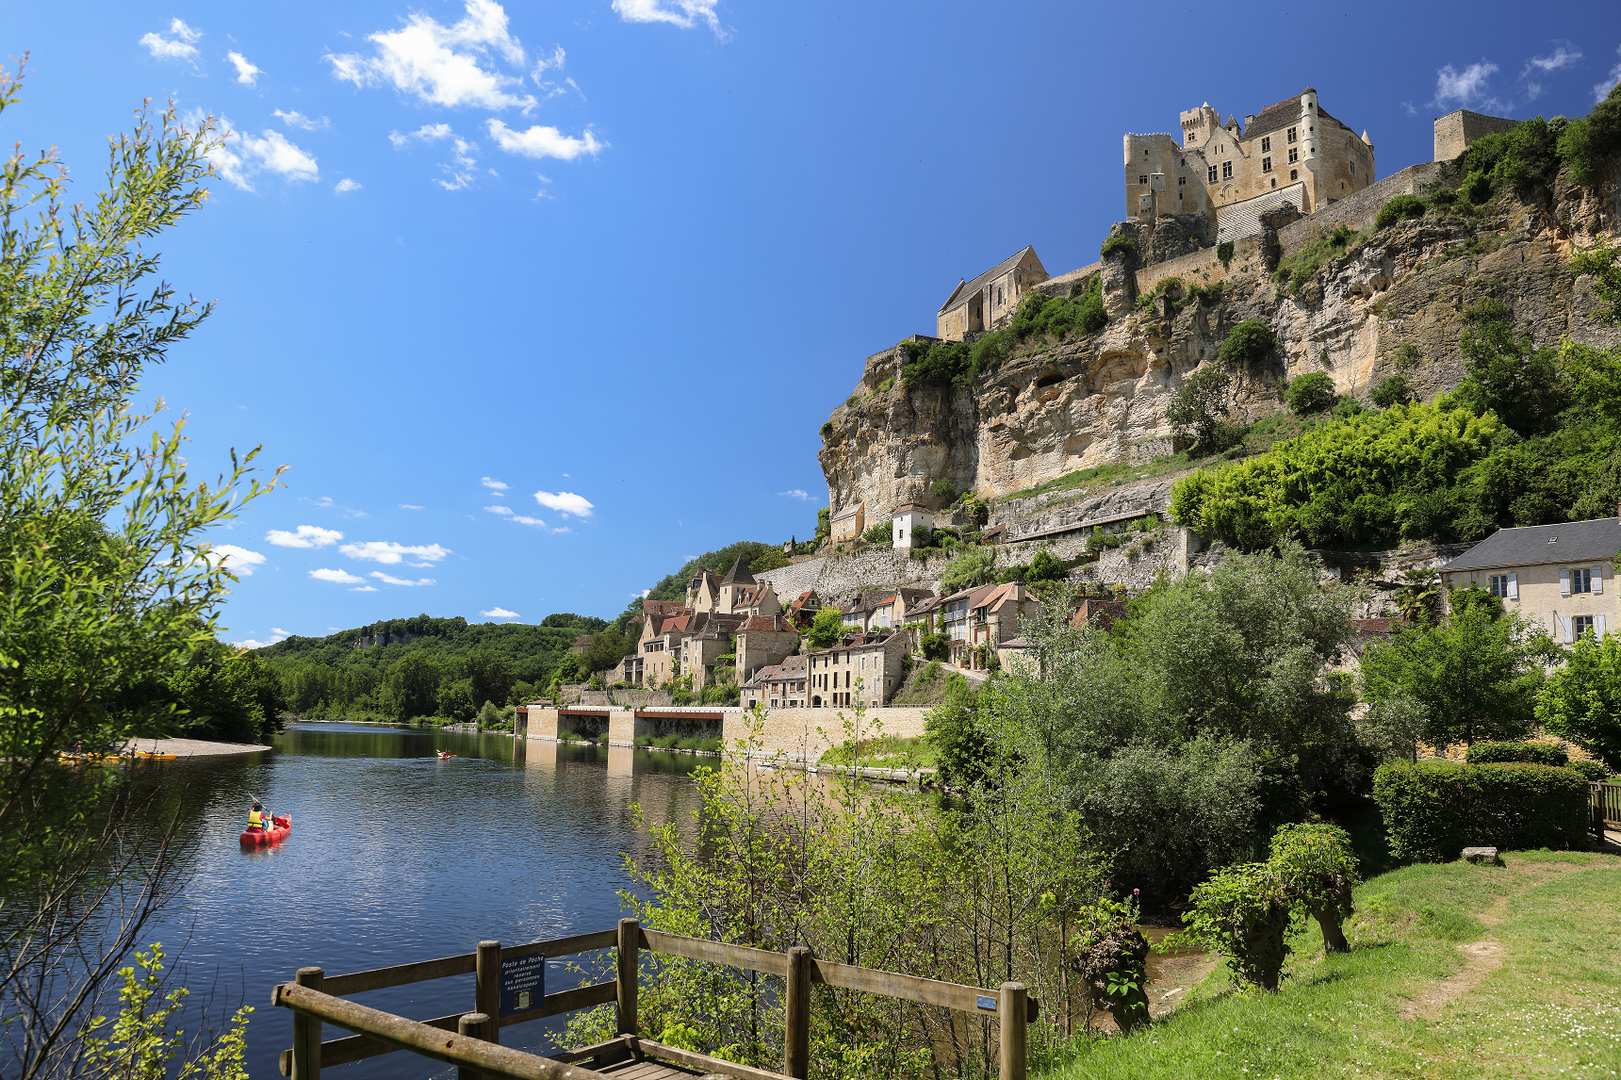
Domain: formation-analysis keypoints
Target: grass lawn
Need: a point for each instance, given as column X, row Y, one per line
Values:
column 1455, row 971
column 884, row 752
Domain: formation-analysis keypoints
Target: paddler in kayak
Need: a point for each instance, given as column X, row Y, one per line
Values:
column 258, row 819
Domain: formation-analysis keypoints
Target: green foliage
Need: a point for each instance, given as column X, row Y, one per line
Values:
column 826, row 628
column 975, row 566
column 221, row 694
column 1294, row 272
column 937, row 363
column 1582, row 700
column 886, row 384
column 934, row 646
column 1243, row 912
column 1588, row 147
column 1399, row 208
column 827, row 429
column 1310, row 393
column 824, row 525
column 965, row 750
column 587, row 623
column 1433, row 809
column 1593, row 772
column 1168, row 292
column 1224, row 252
column 142, row 1043
column 1474, row 675
column 1060, row 317
column 1602, row 262
column 1198, row 412
column 1317, row 868
column 1110, row 955
column 1476, row 188
column 1497, row 753
column 1118, row 243
column 1523, row 159
column 1394, row 389
column 1524, row 386
column 756, row 555
column 879, row 532
column 1045, row 566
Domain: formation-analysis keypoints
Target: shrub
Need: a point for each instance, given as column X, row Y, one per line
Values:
column 943, row 490
column 1523, row 159
column 936, row 363
column 1295, row 271
column 1433, row 809
column 1110, row 955
column 1496, row 753
column 1592, row 771
column 1582, row 700
column 1399, row 208
column 1392, row 390
column 878, row 533
column 1247, row 344
column 826, row 627
column 1224, row 252
column 1318, row 870
column 1242, row 912
column 1312, row 392
column 1603, row 264
column 1198, row 412
column 1586, row 147
column 1476, row 187
column 1045, row 566
column 1117, row 243
column 827, row 428
column 934, row 646
column 976, row 566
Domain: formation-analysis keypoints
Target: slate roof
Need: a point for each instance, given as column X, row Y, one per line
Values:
column 1532, row 545
column 964, row 290
column 1280, row 114
column 738, row 574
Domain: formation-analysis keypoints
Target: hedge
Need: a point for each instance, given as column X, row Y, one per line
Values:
column 1593, row 772
column 1433, row 809
column 1535, row 753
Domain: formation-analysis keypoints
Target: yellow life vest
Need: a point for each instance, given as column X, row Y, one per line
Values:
column 256, row 819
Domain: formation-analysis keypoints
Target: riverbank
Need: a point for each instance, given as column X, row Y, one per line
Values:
column 1454, row 970
column 190, row 748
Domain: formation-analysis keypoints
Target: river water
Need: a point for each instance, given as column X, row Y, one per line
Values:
column 398, row 856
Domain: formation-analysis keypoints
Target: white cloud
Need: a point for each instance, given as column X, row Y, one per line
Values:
column 412, row 506
column 532, row 522
column 544, row 141
column 444, row 65
column 390, row 553
column 239, row 156
column 390, row 579
column 462, row 167
column 683, row 13
column 181, row 44
column 1467, row 87
column 499, row 510
column 499, row 613
column 493, row 484
column 336, row 577
column 247, row 72
column 276, row 634
column 346, row 185
column 1601, row 90
column 364, row 588
column 305, row 536
column 327, row 502
column 238, row 560
column 295, row 119
column 796, row 493
column 565, row 502
column 1563, row 56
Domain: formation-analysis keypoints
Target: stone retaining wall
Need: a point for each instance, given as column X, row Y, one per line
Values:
column 842, row 575
column 804, row 735
column 1359, row 209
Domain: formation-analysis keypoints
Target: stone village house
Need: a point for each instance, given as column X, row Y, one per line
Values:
column 1560, row 576
column 778, row 686
column 987, row 301
column 865, row 671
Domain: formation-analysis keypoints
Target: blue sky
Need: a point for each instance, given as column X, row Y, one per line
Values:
column 605, row 266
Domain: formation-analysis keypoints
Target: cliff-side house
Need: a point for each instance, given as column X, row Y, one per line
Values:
column 987, row 300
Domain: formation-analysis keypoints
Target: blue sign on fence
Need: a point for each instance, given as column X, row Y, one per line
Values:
column 985, row 1002
column 523, row 982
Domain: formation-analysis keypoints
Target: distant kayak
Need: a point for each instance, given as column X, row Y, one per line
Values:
column 445, row 755
column 280, row 826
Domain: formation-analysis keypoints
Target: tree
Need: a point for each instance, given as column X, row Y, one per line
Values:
column 1045, row 566
column 1582, row 700
column 1310, row 393
column 1242, row 911
column 975, row 566
column 1394, row 389
column 826, row 627
column 1524, row 386
column 108, row 584
column 1198, row 412
column 411, row 687
column 1247, row 344
column 1474, row 675
column 1318, row 870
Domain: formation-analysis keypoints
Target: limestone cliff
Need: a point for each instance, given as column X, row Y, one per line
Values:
column 1097, row 399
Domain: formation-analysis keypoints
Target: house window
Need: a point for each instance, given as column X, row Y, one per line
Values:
column 1580, row 625
column 1142, row 178
column 1581, row 579
column 1212, row 171
column 1226, row 170
column 1497, row 585
column 1294, row 154
column 1353, row 168
column 1294, row 174
column 1266, row 143
column 1291, row 134
column 1266, row 164
column 1181, row 181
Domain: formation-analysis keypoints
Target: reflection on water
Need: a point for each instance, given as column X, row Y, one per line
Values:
column 398, row 855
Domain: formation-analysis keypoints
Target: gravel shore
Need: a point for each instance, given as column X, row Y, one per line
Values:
column 189, row 748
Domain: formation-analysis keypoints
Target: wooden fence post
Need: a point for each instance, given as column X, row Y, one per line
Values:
column 1011, row 1009
column 307, row 1031
column 630, row 937
column 796, row 1014
column 487, row 988
column 474, row 1025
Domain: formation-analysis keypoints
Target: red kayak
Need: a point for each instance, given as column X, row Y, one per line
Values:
column 280, row 826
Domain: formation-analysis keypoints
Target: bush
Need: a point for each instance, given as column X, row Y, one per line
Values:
column 976, row 566
column 1476, row 187
column 1110, row 955
column 1116, row 243
column 1224, row 252
column 878, row 533
column 1587, row 147
column 1433, row 809
column 936, row 363
column 1247, row 344
column 1582, row 700
column 827, row 428
column 1592, row 771
column 1198, row 412
column 1497, row 753
column 1045, row 566
column 1310, row 393
column 1399, row 208
column 1243, row 912
column 1523, row 159
column 1318, row 870
column 934, row 646
column 1392, row 390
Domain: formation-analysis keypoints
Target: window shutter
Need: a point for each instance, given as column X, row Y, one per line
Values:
column 1564, row 583
column 1598, row 578
column 1513, row 586
column 1564, row 630
column 1599, row 629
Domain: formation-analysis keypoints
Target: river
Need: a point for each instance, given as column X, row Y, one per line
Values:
column 396, row 856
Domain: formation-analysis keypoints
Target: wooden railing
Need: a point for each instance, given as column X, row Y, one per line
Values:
column 1605, row 802
column 471, row 1040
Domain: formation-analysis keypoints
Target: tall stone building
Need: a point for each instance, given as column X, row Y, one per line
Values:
column 987, row 300
column 1291, row 151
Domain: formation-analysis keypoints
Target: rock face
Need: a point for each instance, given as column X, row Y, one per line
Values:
column 1394, row 303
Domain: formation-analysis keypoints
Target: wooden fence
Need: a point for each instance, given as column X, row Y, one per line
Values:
column 470, row 1040
column 1605, row 802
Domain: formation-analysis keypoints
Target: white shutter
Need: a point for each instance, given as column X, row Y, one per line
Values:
column 1564, row 629
column 1564, row 582
column 1513, row 586
column 1598, row 626
column 1598, row 578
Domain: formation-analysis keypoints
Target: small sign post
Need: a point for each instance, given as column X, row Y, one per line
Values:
column 523, row 982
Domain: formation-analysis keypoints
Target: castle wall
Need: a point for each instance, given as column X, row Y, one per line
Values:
column 1204, row 267
column 1359, row 209
column 1456, row 130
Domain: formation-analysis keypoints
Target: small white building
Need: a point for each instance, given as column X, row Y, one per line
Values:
column 908, row 520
